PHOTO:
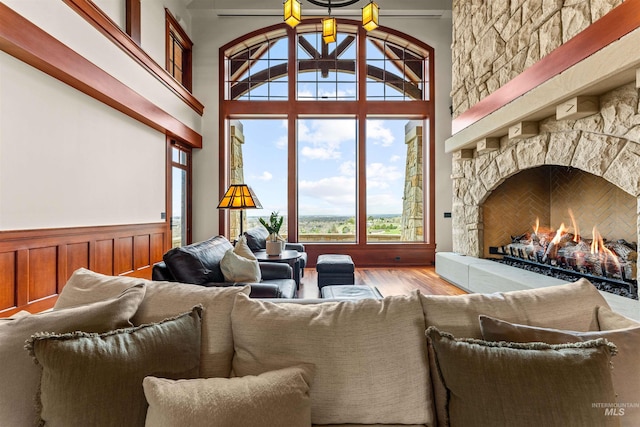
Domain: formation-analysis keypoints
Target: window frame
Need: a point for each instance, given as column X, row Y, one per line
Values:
column 397, row 253
column 174, row 31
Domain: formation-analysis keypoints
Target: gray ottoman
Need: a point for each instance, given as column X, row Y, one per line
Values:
column 335, row 269
column 350, row 292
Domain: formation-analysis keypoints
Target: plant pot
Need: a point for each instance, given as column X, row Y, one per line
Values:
column 274, row 248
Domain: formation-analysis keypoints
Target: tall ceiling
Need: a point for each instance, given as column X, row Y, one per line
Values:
column 433, row 8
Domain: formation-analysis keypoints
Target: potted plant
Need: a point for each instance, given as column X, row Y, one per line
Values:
column 275, row 243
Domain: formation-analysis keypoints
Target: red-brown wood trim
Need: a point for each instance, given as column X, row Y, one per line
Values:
column 142, row 253
column 612, row 26
column 133, row 20
column 92, row 14
column 30, row 44
column 187, row 44
column 360, row 108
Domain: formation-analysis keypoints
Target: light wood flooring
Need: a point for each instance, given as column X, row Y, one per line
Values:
column 389, row 281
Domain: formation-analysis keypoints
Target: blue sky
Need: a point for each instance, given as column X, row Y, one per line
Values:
column 326, row 165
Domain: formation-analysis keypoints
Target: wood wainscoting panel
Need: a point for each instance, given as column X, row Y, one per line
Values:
column 77, row 257
column 124, row 255
column 8, row 295
column 141, row 251
column 43, row 272
column 36, row 264
column 103, row 263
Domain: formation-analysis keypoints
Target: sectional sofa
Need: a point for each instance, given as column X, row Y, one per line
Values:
column 215, row 356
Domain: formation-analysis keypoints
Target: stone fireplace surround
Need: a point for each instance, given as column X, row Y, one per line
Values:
column 604, row 143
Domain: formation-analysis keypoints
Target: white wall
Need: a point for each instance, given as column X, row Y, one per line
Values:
column 67, row 160
column 114, row 9
column 72, row 30
column 211, row 32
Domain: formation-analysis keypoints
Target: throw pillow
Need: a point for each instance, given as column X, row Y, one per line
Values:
column 626, row 364
column 569, row 306
column 21, row 377
column 257, row 238
column 167, row 299
column 275, row 398
column 237, row 268
column 96, row 379
column 369, row 355
column 242, row 248
column 608, row 319
column 533, row 384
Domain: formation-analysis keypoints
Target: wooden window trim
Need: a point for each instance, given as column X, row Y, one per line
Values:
column 133, row 20
column 364, row 253
column 172, row 143
column 172, row 26
column 92, row 14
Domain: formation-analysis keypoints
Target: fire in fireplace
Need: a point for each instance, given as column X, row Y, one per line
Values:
column 612, row 264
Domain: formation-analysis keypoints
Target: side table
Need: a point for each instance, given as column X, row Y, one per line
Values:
column 289, row 256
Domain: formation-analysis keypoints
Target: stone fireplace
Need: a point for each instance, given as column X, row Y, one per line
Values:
column 546, row 118
column 591, row 164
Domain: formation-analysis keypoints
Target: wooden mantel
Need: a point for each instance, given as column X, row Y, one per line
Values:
column 600, row 58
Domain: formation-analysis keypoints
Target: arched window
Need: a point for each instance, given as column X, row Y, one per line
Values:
column 337, row 138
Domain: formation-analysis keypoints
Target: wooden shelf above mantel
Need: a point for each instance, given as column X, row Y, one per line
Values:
column 534, row 94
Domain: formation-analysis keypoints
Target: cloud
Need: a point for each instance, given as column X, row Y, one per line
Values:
column 337, row 190
column 282, row 142
column 348, row 169
column 379, row 176
column 323, row 139
column 395, row 158
column 266, row 176
column 319, row 153
column 378, row 134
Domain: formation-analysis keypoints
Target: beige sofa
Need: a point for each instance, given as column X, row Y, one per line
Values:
column 366, row 362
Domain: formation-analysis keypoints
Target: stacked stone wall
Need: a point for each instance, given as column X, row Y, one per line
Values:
column 494, row 41
column 606, row 144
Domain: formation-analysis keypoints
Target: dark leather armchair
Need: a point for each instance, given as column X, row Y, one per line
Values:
column 257, row 241
column 199, row 264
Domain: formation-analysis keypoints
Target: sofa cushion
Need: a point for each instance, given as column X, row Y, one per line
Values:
column 370, row 355
column 609, row 319
column 96, row 379
column 534, row 384
column 167, row 299
column 240, row 264
column 626, row 364
column 257, row 238
column 21, row 377
column 198, row 263
column 275, row 398
column 239, row 269
column 570, row 306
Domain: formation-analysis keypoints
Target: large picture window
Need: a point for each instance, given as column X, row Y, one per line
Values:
column 337, row 137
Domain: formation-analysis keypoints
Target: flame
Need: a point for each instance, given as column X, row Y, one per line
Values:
column 563, row 229
column 598, row 248
column 576, row 237
column 537, row 226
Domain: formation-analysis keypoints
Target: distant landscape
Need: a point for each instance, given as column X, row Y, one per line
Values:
column 328, row 224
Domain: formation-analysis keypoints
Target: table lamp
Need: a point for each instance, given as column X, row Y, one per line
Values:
column 239, row 196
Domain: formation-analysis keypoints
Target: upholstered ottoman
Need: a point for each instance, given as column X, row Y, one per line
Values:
column 335, row 269
column 350, row 292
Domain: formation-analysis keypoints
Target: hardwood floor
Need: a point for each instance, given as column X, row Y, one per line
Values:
column 389, row 281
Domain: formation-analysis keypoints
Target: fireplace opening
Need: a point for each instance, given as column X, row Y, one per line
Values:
column 566, row 223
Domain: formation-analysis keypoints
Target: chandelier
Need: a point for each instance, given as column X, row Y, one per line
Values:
column 293, row 16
